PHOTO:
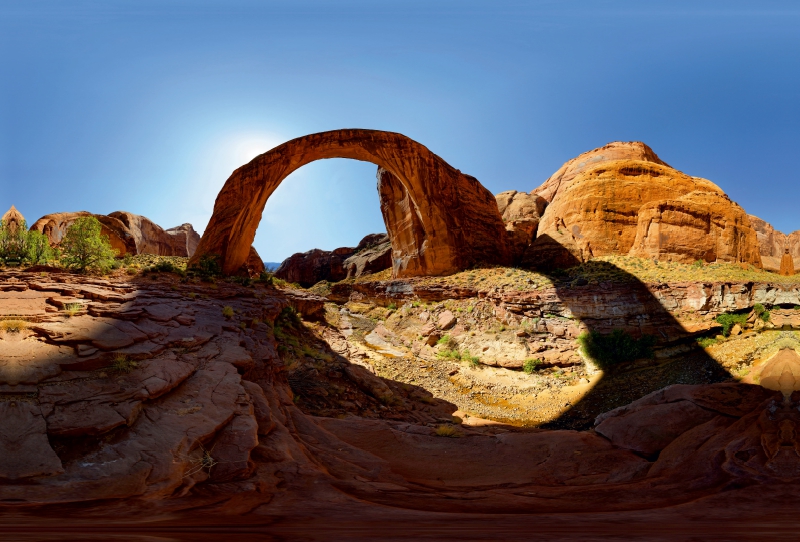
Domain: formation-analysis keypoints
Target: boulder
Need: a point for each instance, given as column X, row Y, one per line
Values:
column 185, row 237
column 622, row 199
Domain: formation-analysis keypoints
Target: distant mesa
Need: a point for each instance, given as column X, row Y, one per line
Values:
column 773, row 245
column 128, row 233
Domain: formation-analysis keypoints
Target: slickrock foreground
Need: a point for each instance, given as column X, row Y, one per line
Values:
column 130, row 398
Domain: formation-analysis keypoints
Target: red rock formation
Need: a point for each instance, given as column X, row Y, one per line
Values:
column 372, row 254
column 521, row 214
column 460, row 223
column 787, row 265
column 773, row 242
column 127, row 232
column 54, row 226
column 622, row 199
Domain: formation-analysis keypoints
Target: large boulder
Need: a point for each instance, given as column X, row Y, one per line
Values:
column 622, row 199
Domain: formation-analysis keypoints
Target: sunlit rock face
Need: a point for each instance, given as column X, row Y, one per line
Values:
column 458, row 221
column 773, row 244
column 128, row 233
column 622, row 199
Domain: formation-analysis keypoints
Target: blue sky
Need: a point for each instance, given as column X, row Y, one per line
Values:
column 149, row 106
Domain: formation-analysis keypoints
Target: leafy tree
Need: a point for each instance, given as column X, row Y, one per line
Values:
column 13, row 241
column 38, row 248
column 84, row 247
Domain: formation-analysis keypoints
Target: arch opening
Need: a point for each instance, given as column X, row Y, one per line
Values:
column 439, row 220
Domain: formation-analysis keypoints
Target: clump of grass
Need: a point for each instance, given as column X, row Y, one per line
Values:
column 449, row 354
column 71, row 309
column 616, row 347
column 448, row 342
column 227, row 311
column 448, row 431
column 392, row 306
column 123, row 364
column 474, row 361
column 727, row 321
column 531, row 365
column 242, row 326
column 705, row 342
column 13, row 325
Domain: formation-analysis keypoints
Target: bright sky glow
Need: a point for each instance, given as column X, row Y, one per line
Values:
column 148, row 106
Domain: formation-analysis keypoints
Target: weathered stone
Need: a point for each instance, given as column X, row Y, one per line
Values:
column 461, row 225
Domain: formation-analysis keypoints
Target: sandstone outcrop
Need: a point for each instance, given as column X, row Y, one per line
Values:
column 773, row 244
column 622, row 199
column 372, row 254
column 787, row 265
column 128, row 233
column 13, row 219
column 54, row 226
column 459, row 224
column 150, row 238
column 521, row 214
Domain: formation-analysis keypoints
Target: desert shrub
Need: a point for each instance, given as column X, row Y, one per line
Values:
column 13, row 325
column 84, row 248
column 449, row 354
column 616, row 347
column 227, row 311
column 288, row 317
column 207, row 267
column 727, row 321
column 448, row 342
column 765, row 316
column 474, row 361
column 122, row 364
column 759, row 309
column 71, row 309
column 392, row 306
column 705, row 342
column 531, row 365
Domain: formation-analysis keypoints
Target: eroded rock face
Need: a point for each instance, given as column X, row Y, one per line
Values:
column 458, row 218
column 521, row 214
column 128, row 233
column 373, row 254
column 54, row 226
column 622, row 199
column 773, row 244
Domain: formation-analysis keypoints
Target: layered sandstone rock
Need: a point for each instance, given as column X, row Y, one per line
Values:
column 773, row 243
column 787, row 265
column 521, row 214
column 372, row 254
column 13, row 219
column 701, row 225
column 455, row 221
column 622, row 199
column 128, row 233
column 54, row 226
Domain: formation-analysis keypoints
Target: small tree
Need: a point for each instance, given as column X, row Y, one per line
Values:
column 38, row 248
column 85, row 248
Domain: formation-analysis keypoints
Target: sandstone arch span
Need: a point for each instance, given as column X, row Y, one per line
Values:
column 439, row 220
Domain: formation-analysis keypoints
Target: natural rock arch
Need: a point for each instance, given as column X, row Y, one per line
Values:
column 439, row 220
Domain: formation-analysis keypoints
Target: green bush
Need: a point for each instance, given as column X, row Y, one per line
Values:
column 705, row 342
column 474, row 361
column 759, row 309
column 765, row 316
column 531, row 365
column 84, row 248
column 727, row 321
column 207, row 267
column 616, row 347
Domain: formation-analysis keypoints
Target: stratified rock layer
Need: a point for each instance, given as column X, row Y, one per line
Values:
column 128, row 233
column 622, row 199
column 459, row 222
